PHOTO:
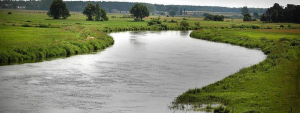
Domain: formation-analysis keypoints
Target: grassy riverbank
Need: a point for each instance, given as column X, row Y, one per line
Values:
column 268, row 87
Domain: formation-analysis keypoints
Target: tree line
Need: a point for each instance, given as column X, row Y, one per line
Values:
column 121, row 6
column 209, row 17
column 59, row 10
column 277, row 13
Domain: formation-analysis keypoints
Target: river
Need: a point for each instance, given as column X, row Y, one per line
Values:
column 141, row 73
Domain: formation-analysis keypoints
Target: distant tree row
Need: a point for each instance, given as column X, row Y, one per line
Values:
column 94, row 12
column 59, row 10
column 121, row 6
column 210, row 17
column 277, row 13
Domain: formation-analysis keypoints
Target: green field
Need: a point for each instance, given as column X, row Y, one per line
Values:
column 270, row 86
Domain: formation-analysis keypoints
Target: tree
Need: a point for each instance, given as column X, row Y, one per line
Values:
column 103, row 16
column 255, row 15
column 139, row 11
column 89, row 11
column 214, row 17
column 58, row 9
column 263, row 18
column 98, row 13
column 180, row 12
column 277, row 13
column 184, row 24
column 245, row 10
column 247, row 17
column 172, row 13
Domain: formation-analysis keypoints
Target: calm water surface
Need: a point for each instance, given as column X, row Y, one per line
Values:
column 141, row 73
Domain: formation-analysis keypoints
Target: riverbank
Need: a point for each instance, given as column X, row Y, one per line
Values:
column 31, row 44
column 270, row 86
column 30, row 35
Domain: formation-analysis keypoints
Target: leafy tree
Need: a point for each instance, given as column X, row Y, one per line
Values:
column 247, row 17
column 98, row 13
column 58, row 9
column 172, row 13
column 184, row 24
column 245, row 10
column 89, row 11
column 214, row 17
column 277, row 13
column 103, row 16
column 255, row 15
column 139, row 11
column 263, row 18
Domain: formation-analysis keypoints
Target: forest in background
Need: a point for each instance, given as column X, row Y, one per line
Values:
column 121, row 6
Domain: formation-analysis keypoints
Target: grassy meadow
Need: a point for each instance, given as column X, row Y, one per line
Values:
column 270, row 86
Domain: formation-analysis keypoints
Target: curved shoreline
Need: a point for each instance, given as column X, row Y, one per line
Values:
column 260, row 88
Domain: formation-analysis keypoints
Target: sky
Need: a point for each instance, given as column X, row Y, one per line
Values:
column 226, row 3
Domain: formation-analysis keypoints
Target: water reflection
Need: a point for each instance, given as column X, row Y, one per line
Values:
column 184, row 33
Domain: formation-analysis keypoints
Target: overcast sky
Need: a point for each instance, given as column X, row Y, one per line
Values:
column 227, row 3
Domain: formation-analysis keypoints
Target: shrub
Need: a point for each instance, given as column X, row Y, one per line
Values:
column 197, row 24
column 26, row 25
column 173, row 21
column 221, row 109
column 281, row 26
column 154, row 22
column 184, row 19
column 184, row 24
column 43, row 26
column 214, row 18
column 9, row 13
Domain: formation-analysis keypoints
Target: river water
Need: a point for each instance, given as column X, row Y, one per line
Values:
column 141, row 73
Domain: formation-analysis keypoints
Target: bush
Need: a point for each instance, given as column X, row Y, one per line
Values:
column 281, row 26
column 197, row 24
column 173, row 21
column 9, row 13
column 221, row 109
column 214, row 18
column 154, row 22
column 184, row 24
column 165, row 20
column 26, row 25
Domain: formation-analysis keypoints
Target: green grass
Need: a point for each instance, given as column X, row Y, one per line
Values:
column 268, row 87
